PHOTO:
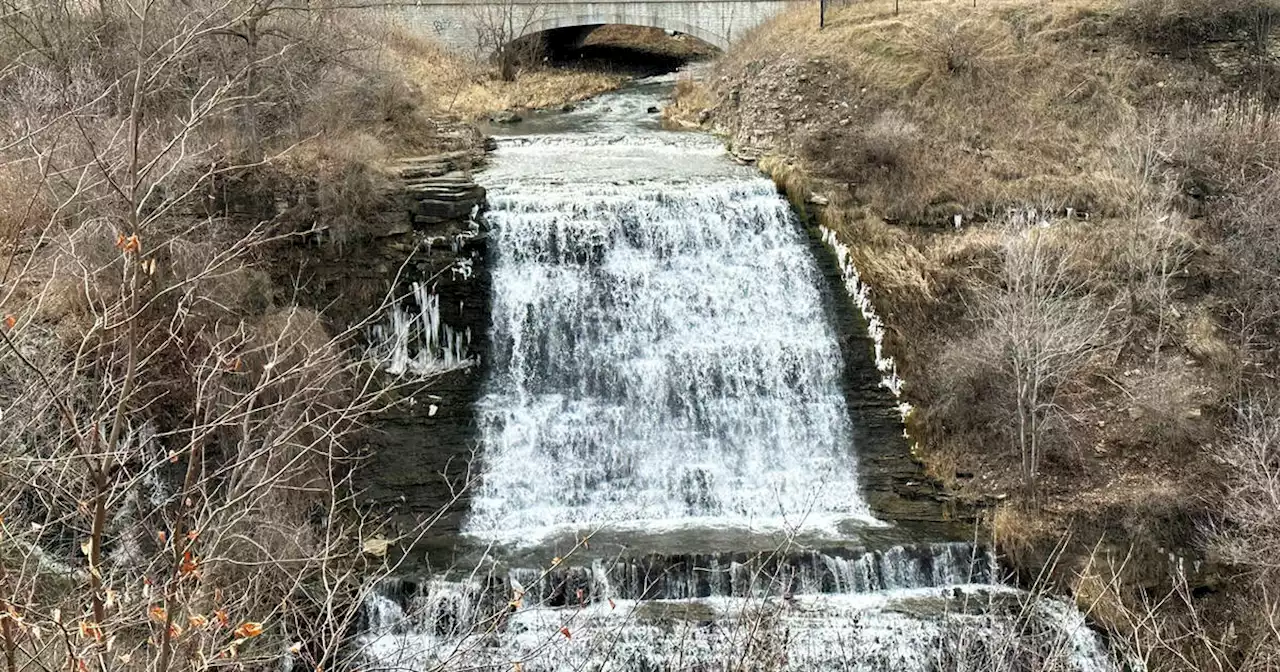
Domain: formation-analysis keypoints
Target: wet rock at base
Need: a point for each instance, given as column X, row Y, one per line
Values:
column 505, row 117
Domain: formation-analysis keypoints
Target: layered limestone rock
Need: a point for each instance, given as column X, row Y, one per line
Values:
column 438, row 190
column 434, row 333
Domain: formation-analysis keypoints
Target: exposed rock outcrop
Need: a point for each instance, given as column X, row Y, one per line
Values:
column 431, row 426
column 423, row 231
column 438, row 190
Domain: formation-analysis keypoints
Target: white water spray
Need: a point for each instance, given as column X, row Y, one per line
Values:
column 662, row 358
column 663, row 368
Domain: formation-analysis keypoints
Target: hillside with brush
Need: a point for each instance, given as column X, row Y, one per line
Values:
column 1064, row 213
column 193, row 200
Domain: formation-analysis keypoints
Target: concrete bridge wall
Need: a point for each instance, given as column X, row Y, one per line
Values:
column 476, row 27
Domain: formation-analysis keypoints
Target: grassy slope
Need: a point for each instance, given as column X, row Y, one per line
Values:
column 460, row 87
column 904, row 121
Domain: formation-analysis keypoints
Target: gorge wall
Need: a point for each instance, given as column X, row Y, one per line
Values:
column 412, row 284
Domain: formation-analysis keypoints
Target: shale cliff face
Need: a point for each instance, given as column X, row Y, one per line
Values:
column 894, row 484
column 425, row 244
column 423, row 443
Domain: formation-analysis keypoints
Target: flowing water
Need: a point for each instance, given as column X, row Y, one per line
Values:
column 665, row 382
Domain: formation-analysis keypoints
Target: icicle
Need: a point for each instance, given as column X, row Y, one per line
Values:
column 860, row 292
column 419, row 342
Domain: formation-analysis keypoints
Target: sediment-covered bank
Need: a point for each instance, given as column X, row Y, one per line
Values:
column 1058, row 213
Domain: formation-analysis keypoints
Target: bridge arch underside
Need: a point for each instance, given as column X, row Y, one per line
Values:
column 470, row 26
column 571, row 31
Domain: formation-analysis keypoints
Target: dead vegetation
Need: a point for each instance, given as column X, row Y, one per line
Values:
column 463, row 88
column 1012, row 104
column 1182, row 25
column 176, row 428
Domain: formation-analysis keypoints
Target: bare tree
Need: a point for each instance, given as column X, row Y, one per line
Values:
column 1039, row 323
column 174, row 470
column 504, row 31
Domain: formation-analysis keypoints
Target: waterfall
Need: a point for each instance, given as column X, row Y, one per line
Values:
column 968, row 628
column 662, row 359
column 666, row 407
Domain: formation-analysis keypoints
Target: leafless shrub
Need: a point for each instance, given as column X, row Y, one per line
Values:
column 960, row 46
column 1202, row 187
column 1177, row 629
column 1218, row 148
column 1164, row 408
column 1252, row 236
column 1222, row 157
column 1252, row 455
column 1150, row 263
column 853, row 153
column 891, row 141
column 762, row 639
column 1246, row 535
column 1039, row 323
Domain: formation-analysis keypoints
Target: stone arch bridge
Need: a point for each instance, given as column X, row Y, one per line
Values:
column 483, row 27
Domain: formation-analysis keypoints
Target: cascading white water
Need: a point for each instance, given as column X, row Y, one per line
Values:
column 967, row 628
column 663, row 368
column 662, row 358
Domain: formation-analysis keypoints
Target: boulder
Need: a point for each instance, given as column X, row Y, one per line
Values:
column 505, row 117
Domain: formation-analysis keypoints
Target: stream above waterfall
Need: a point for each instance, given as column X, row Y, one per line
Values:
column 675, row 469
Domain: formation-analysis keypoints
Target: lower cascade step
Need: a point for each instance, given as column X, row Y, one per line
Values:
column 719, row 575
column 927, row 607
column 975, row 628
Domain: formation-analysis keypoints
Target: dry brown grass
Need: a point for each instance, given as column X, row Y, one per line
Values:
column 1179, row 25
column 1096, row 594
column 1016, row 530
column 689, row 102
column 463, row 88
column 893, row 260
column 1011, row 102
column 1205, row 341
